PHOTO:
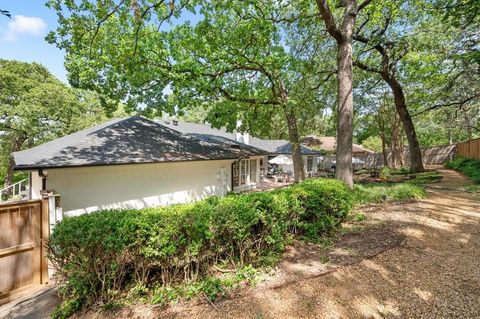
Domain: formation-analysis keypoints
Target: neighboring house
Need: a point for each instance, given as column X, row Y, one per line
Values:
column 273, row 148
column 328, row 144
column 137, row 163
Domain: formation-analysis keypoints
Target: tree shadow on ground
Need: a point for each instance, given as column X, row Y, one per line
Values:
column 429, row 269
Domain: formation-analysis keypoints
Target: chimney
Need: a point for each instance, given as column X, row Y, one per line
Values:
column 175, row 122
column 242, row 137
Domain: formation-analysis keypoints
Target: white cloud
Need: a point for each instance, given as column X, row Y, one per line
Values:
column 22, row 25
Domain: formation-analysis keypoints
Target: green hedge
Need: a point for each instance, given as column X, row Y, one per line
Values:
column 467, row 166
column 100, row 255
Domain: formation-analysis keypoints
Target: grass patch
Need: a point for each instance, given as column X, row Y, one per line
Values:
column 467, row 166
column 475, row 188
column 379, row 192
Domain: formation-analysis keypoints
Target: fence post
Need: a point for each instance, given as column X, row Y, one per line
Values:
column 45, row 233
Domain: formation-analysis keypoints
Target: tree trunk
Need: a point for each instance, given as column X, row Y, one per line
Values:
column 9, row 175
column 416, row 163
column 384, row 149
column 17, row 146
column 468, row 124
column 401, row 148
column 298, row 171
column 344, row 167
column 381, row 126
column 344, row 37
column 394, row 126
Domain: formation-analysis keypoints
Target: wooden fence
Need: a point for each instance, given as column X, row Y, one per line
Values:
column 470, row 149
column 431, row 156
column 436, row 155
column 23, row 231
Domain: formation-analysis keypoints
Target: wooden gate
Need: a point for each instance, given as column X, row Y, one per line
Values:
column 23, row 232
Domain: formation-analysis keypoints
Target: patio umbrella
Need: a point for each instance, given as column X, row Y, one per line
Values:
column 281, row 160
column 354, row 161
column 357, row 161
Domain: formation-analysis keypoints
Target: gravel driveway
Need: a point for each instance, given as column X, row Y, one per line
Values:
column 434, row 272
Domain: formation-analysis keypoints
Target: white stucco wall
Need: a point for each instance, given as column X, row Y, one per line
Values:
column 86, row 189
column 36, row 185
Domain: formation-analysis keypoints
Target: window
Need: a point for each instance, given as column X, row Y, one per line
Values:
column 243, row 172
column 310, row 164
column 235, row 171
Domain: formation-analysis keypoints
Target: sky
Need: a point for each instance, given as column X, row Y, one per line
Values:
column 23, row 36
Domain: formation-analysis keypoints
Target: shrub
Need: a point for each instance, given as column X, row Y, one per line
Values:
column 467, row 166
column 101, row 255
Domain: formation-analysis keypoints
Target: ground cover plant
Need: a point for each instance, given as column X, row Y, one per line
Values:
column 467, row 166
column 475, row 188
column 380, row 192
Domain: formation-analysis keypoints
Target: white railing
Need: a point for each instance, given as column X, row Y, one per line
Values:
column 18, row 191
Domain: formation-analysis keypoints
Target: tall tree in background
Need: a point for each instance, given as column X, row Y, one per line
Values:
column 342, row 32
column 457, row 83
column 35, row 107
column 391, row 42
column 242, row 61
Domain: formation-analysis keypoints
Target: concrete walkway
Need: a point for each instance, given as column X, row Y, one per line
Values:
column 33, row 304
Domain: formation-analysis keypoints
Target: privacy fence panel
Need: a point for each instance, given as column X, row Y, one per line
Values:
column 436, row 155
column 470, row 149
column 431, row 156
column 23, row 232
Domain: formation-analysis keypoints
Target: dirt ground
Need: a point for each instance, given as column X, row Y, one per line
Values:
column 416, row 259
column 406, row 259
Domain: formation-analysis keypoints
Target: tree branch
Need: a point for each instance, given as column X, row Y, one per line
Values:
column 363, row 39
column 363, row 5
column 99, row 23
column 329, row 20
column 455, row 103
column 365, row 67
column 252, row 101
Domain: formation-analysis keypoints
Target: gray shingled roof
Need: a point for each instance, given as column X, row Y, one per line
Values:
column 131, row 140
column 274, row 147
column 208, row 134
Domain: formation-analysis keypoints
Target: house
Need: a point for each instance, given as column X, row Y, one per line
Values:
column 137, row 163
column 134, row 163
column 328, row 144
column 273, row 148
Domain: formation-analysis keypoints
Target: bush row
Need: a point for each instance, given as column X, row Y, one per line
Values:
column 467, row 166
column 99, row 255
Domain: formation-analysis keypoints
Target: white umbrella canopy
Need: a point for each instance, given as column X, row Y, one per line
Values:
column 357, row 161
column 354, row 161
column 281, row 160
